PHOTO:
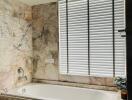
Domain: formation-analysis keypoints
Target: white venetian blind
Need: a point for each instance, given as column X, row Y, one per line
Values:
column 78, row 37
column 101, row 37
column 120, row 42
column 63, row 37
column 90, row 43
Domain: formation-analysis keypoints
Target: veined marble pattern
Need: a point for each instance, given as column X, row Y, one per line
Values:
column 45, row 41
column 15, row 42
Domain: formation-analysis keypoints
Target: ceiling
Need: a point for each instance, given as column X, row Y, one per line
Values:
column 36, row 2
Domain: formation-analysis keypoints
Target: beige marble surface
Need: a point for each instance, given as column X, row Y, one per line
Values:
column 45, row 41
column 15, row 42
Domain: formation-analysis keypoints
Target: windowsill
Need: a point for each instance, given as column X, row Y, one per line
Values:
column 75, row 84
column 91, row 80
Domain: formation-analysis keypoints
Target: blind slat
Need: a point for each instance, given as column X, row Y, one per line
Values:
column 100, row 39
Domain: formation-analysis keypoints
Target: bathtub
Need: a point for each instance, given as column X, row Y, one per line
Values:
column 57, row 92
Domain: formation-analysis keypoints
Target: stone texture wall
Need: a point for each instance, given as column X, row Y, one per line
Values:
column 45, row 48
column 15, row 42
column 45, row 41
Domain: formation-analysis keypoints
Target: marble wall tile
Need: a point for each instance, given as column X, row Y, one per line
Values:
column 45, row 41
column 15, row 42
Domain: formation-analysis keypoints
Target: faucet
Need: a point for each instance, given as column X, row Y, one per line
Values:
column 21, row 74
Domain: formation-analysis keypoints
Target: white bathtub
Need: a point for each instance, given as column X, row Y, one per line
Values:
column 57, row 92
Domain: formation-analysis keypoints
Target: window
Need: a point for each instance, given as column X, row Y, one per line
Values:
column 91, row 40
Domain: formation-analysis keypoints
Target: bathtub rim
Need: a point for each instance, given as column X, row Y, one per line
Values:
column 14, row 92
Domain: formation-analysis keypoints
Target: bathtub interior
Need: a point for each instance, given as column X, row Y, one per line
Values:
column 57, row 92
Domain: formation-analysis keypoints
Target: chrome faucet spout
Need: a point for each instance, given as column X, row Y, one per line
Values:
column 21, row 74
column 20, row 70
